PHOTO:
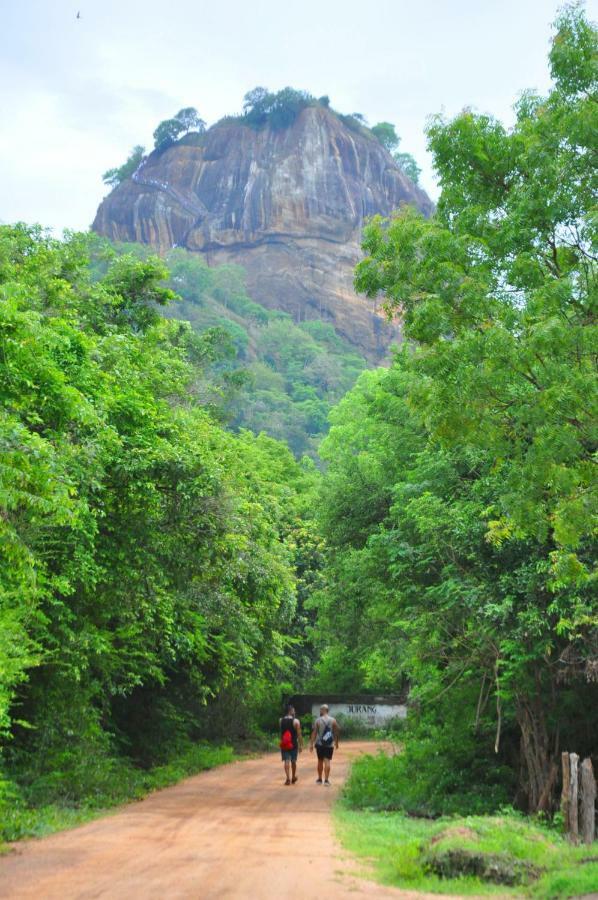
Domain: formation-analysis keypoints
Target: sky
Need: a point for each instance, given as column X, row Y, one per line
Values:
column 76, row 94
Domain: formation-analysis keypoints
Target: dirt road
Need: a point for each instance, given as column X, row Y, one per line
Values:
column 233, row 832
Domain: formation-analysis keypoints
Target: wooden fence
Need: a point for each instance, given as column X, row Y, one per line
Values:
column 578, row 800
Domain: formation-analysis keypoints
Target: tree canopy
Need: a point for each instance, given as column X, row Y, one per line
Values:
column 170, row 130
column 279, row 109
column 147, row 554
column 113, row 177
column 460, row 501
column 386, row 133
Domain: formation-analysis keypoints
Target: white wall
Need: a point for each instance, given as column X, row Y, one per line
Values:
column 373, row 715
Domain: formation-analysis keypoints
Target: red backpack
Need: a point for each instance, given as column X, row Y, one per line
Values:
column 286, row 741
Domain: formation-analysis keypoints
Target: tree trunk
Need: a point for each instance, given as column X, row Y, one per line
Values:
column 574, row 799
column 539, row 765
column 588, row 802
column 566, row 793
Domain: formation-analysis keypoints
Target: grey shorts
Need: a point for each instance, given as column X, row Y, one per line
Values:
column 289, row 755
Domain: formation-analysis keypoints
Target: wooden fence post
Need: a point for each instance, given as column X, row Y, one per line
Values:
column 565, row 795
column 588, row 801
column 574, row 798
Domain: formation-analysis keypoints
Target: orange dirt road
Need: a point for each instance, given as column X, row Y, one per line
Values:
column 233, row 832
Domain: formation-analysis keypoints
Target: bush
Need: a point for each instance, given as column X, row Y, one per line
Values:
column 350, row 727
column 434, row 775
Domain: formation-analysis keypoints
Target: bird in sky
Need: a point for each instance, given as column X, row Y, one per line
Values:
column 78, row 15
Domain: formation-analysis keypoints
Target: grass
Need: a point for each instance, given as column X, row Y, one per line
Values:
column 21, row 818
column 404, row 852
column 411, row 818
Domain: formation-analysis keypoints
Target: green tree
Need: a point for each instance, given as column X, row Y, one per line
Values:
column 387, row 135
column 170, row 130
column 279, row 109
column 114, row 177
column 256, row 105
column 146, row 553
column 480, row 552
column 167, row 133
column 407, row 163
column 190, row 119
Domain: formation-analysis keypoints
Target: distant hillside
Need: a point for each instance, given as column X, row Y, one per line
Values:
column 275, row 376
column 284, row 195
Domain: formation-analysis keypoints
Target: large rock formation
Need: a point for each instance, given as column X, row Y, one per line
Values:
column 286, row 204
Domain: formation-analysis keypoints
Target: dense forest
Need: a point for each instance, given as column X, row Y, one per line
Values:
column 149, row 555
column 173, row 562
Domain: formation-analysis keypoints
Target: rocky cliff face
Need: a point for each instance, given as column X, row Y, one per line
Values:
column 288, row 205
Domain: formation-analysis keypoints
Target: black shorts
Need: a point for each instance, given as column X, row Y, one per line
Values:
column 324, row 752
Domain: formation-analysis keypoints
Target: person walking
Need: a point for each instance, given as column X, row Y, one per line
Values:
column 291, row 742
column 324, row 737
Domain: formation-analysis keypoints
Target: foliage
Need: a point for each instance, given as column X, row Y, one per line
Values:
column 190, row 119
column 407, row 163
column 114, row 177
column 269, row 374
column 146, row 553
column 441, row 770
column 183, row 122
column 279, row 109
column 38, row 808
column 354, row 122
column 387, row 135
column 402, row 849
column 166, row 133
column 460, row 500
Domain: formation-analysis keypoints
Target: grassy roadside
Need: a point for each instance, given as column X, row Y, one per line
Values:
column 20, row 818
column 412, row 853
column 506, row 854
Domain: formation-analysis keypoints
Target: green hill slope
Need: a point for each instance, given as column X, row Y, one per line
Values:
column 275, row 375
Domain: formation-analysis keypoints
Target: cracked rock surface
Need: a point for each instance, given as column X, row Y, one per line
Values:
column 288, row 205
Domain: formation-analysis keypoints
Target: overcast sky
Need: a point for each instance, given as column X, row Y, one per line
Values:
column 77, row 94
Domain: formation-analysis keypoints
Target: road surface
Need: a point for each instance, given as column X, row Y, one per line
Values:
column 233, row 832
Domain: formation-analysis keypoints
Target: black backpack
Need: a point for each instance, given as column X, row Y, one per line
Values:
column 327, row 736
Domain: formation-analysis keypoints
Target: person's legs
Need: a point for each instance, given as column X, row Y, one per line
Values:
column 294, row 766
column 326, row 770
column 320, row 766
column 287, row 767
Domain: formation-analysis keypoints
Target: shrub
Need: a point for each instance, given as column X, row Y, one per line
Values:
column 437, row 773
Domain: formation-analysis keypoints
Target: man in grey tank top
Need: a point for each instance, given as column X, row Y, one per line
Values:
column 324, row 737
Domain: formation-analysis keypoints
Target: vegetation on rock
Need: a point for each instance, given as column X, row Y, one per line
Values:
column 115, row 176
column 262, row 107
column 388, row 137
column 269, row 374
column 279, row 110
column 183, row 122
